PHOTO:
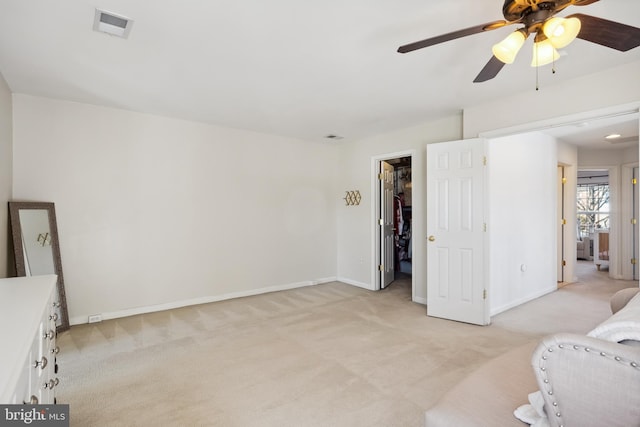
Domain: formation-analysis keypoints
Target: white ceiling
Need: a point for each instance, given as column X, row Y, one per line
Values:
column 286, row 67
column 592, row 133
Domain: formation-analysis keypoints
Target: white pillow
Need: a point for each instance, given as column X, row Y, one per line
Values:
column 622, row 326
column 533, row 413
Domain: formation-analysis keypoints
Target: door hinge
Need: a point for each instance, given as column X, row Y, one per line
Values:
column 380, row 176
column 484, row 160
column 634, row 181
column 381, row 267
column 634, row 261
column 564, row 180
column 484, row 294
column 484, row 227
column 634, row 221
column 564, row 263
column 381, row 221
column 564, row 221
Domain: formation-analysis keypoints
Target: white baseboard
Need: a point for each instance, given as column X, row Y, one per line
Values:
column 518, row 302
column 363, row 285
column 419, row 300
column 79, row 320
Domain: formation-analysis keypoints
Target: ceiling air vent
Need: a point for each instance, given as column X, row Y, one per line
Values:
column 110, row 23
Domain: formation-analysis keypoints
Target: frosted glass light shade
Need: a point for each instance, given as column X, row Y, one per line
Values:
column 561, row 31
column 544, row 53
column 508, row 48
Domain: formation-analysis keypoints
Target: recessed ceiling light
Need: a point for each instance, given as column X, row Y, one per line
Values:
column 110, row 23
column 613, row 136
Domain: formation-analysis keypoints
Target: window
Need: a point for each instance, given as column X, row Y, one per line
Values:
column 593, row 208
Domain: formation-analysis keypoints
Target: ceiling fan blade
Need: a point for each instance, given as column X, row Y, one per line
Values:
column 607, row 33
column 490, row 70
column 452, row 36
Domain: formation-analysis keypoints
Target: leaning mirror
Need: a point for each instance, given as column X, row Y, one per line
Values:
column 36, row 248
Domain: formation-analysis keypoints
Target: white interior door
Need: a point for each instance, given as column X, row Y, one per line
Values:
column 456, row 262
column 387, row 229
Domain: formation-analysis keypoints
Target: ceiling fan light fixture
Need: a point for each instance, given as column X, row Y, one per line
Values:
column 544, row 53
column 508, row 48
column 561, row 31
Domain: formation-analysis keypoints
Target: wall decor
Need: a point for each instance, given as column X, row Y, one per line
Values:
column 352, row 198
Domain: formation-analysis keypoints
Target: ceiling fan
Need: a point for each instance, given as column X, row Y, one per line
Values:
column 551, row 33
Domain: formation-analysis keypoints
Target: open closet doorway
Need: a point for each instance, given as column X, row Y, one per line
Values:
column 393, row 208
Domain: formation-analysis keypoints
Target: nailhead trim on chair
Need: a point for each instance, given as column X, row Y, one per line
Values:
column 549, row 388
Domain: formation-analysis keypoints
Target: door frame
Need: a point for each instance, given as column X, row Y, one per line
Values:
column 567, row 250
column 615, row 223
column 627, row 215
column 375, row 208
column 562, row 223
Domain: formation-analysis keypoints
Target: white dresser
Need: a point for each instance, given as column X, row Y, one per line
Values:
column 28, row 333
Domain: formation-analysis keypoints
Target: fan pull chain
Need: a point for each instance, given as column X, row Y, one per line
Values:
column 535, row 49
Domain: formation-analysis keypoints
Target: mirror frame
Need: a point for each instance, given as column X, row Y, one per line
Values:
column 16, row 232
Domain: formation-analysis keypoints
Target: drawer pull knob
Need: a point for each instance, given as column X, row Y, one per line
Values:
column 51, row 383
column 51, row 334
column 32, row 401
column 55, row 350
column 53, row 317
column 41, row 363
column 56, row 304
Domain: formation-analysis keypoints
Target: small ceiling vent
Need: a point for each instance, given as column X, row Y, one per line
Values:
column 110, row 23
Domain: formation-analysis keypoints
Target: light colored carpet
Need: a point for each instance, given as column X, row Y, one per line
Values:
column 328, row 355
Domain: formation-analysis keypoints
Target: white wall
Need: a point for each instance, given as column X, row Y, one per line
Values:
column 6, row 171
column 598, row 158
column 156, row 212
column 135, row 193
column 522, row 219
column 356, row 247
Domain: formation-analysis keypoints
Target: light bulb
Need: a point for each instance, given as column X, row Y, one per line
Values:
column 544, row 53
column 561, row 31
column 508, row 48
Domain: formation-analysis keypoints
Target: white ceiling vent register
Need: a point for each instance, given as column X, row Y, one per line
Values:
column 110, row 23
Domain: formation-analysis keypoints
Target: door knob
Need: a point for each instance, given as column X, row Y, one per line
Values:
column 432, row 238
